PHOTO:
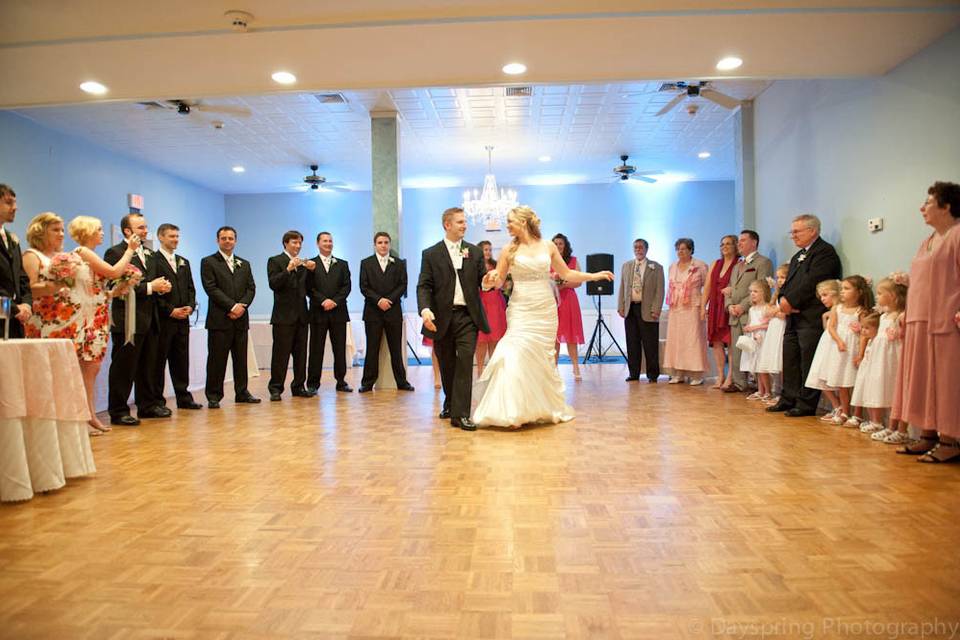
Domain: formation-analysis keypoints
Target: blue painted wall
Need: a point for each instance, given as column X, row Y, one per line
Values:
column 596, row 218
column 51, row 171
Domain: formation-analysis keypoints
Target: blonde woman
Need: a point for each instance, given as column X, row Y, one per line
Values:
column 52, row 317
column 521, row 385
column 90, row 297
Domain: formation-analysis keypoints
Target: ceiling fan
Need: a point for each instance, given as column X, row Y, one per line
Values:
column 314, row 182
column 692, row 90
column 186, row 107
column 626, row 172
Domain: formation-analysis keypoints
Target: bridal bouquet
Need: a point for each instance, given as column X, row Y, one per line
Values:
column 63, row 268
column 128, row 281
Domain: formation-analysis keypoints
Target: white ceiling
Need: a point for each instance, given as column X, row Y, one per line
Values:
column 584, row 128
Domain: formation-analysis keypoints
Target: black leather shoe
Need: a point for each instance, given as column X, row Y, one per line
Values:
column 732, row 389
column 464, row 423
column 125, row 421
column 364, row 389
column 631, row 378
column 247, row 399
column 213, row 404
column 274, row 397
column 651, row 381
column 406, row 386
column 190, row 405
column 313, row 390
column 445, row 414
column 343, row 387
column 799, row 413
column 303, row 393
column 780, row 406
column 155, row 412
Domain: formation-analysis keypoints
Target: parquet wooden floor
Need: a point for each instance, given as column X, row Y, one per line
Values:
column 660, row 512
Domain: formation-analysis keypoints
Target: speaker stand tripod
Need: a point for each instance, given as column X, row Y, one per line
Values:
column 595, row 348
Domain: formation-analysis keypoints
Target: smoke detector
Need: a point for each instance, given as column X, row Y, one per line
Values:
column 239, row 20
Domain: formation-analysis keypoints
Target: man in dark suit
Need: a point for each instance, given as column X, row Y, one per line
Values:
column 816, row 261
column 287, row 274
column 230, row 289
column 639, row 303
column 448, row 295
column 173, row 312
column 383, row 281
column 14, row 282
column 751, row 267
column 133, row 360
column 328, row 287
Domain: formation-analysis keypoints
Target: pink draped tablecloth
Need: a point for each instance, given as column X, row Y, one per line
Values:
column 43, row 418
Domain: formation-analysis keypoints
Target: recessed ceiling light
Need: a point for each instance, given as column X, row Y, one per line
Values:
column 284, row 77
column 514, row 68
column 544, row 158
column 703, row 155
column 95, row 88
column 238, row 169
column 729, row 64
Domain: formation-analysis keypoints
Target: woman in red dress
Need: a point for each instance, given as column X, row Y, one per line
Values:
column 718, row 321
column 569, row 320
column 496, row 309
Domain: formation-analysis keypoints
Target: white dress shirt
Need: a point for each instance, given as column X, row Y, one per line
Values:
column 229, row 260
column 384, row 261
column 171, row 259
column 454, row 249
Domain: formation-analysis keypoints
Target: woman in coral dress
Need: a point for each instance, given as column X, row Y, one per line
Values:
column 569, row 320
column 495, row 307
column 685, row 356
column 718, row 319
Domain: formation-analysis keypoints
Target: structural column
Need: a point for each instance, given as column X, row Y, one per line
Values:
column 385, row 156
column 745, row 197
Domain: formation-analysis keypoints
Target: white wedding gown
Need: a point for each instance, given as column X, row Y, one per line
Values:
column 520, row 385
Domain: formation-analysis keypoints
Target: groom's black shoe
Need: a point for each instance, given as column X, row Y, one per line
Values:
column 780, row 406
column 631, row 378
column 343, row 387
column 464, row 423
column 406, row 386
column 364, row 389
column 445, row 414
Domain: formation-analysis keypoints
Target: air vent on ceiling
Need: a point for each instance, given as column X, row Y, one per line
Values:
column 330, row 98
column 519, row 91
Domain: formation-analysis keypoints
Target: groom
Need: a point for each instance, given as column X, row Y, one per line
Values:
column 449, row 301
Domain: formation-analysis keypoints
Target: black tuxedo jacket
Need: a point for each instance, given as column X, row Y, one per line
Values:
column 334, row 285
column 146, row 310
column 375, row 284
column 182, row 293
column 289, row 291
column 820, row 263
column 436, row 286
column 225, row 289
column 14, row 282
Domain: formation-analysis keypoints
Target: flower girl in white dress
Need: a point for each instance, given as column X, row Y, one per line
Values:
column 520, row 384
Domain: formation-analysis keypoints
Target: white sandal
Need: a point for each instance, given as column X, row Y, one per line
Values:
column 879, row 436
column 897, row 437
column 829, row 416
column 871, row 427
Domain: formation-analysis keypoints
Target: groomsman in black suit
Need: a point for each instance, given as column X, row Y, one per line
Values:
column 134, row 362
column 230, row 289
column 287, row 274
column 174, row 310
column 328, row 287
column 816, row 261
column 14, row 283
column 448, row 295
column 383, row 281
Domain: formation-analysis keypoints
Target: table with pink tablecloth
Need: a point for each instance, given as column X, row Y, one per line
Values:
column 43, row 418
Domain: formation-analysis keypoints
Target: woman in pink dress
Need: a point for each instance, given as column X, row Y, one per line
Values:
column 718, row 320
column 569, row 320
column 496, row 309
column 685, row 356
column 926, row 389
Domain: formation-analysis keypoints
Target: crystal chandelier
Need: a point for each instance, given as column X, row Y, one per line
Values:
column 490, row 206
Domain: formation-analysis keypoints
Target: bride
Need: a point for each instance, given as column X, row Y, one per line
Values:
column 520, row 384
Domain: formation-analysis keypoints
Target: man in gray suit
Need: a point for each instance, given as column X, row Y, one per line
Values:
column 752, row 266
column 639, row 302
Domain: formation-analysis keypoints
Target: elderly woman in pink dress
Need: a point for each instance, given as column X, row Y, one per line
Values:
column 926, row 390
column 685, row 356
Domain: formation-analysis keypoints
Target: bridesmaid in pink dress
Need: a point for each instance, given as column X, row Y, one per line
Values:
column 685, row 356
column 496, row 309
column 718, row 320
column 926, row 390
column 569, row 319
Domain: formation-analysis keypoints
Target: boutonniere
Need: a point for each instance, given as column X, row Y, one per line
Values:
column 181, row 262
column 147, row 251
column 802, row 257
column 333, row 261
column 237, row 262
column 391, row 260
column 651, row 267
column 465, row 253
column 13, row 237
